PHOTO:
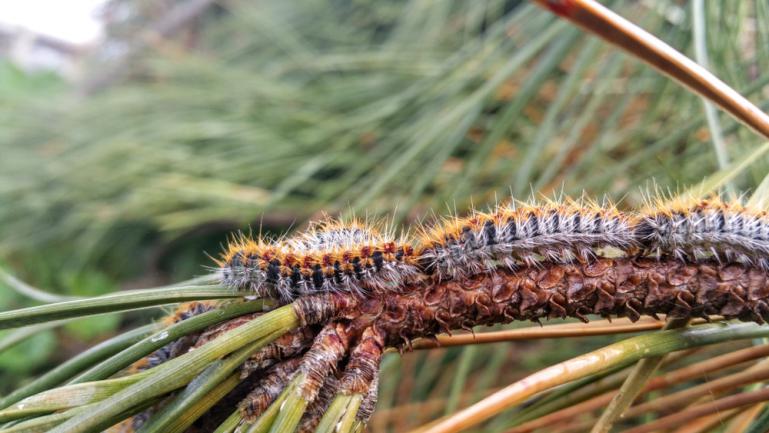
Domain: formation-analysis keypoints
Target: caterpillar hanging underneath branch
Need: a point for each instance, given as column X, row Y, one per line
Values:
column 358, row 290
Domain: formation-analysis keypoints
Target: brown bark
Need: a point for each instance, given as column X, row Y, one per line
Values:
column 629, row 287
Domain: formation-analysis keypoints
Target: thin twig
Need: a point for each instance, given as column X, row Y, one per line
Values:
column 599, row 20
column 707, row 422
column 565, row 330
column 740, row 423
column 757, row 373
column 676, row 377
column 695, row 412
column 632, row 386
column 612, row 356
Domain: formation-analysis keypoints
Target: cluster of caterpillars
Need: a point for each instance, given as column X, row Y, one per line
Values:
column 323, row 356
column 338, row 346
column 334, row 256
column 358, row 290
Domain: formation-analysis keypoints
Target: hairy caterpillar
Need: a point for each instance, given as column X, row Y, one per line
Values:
column 693, row 230
column 171, row 350
column 334, row 256
column 524, row 233
column 183, row 312
column 330, row 256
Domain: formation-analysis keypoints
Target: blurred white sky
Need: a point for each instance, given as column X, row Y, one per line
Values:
column 74, row 21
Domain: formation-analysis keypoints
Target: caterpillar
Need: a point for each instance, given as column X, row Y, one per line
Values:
column 334, row 256
column 186, row 310
column 352, row 281
column 171, row 350
column 524, row 233
column 694, row 230
column 330, row 256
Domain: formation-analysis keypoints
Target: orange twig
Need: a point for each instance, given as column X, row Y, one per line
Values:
column 695, row 412
column 566, row 330
column 758, row 373
column 743, row 419
column 599, row 20
column 564, row 414
column 673, row 378
column 714, row 364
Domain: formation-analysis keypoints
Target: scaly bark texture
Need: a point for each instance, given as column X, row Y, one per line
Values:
column 339, row 345
column 628, row 287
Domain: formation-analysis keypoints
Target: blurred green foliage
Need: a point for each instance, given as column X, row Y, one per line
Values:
column 18, row 86
column 277, row 111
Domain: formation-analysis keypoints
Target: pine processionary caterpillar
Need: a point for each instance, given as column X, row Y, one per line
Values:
column 334, row 256
column 357, row 290
column 524, row 234
column 186, row 310
column 183, row 312
column 709, row 228
column 331, row 256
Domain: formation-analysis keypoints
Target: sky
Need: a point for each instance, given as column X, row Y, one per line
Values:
column 74, row 21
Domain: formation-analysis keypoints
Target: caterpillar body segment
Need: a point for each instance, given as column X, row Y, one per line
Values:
column 524, row 234
column 331, row 257
column 694, row 230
